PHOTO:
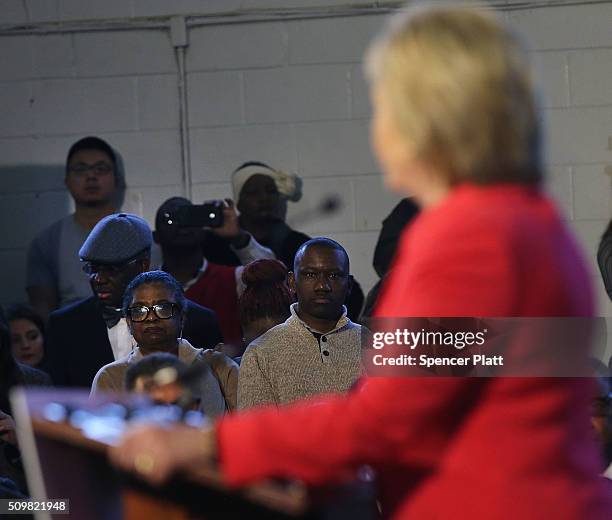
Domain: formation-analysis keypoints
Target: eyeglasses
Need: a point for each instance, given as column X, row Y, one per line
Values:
column 99, row 168
column 91, row 268
column 163, row 311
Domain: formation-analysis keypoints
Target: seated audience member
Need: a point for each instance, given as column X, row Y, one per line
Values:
column 211, row 285
column 386, row 246
column 27, row 330
column 142, row 377
column 604, row 259
column 261, row 194
column 12, row 374
column 54, row 276
column 265, row 301
column 91, row 333
column 154, row 305
column 317, row 349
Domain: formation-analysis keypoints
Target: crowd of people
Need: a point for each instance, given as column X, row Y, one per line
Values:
column 270, row 317
column 136, row 319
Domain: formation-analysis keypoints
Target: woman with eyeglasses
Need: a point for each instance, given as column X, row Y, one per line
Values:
column 154, row 306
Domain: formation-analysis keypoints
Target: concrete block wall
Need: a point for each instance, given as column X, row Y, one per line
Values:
column 287, row 92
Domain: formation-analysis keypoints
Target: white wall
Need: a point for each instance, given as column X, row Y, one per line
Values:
column 290, row 93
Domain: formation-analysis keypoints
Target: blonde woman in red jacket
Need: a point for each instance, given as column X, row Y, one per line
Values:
column 455, row 125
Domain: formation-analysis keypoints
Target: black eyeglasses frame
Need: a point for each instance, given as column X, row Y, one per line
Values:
column 155, row 309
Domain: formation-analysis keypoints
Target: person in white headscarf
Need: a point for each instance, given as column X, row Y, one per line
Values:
column 261, row 194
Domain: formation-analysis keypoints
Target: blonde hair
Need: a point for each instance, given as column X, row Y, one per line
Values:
column 460, row 86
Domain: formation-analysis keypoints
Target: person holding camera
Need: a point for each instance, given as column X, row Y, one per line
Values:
column 182, row 230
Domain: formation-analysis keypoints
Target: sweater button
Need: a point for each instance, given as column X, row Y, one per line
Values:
column 326, row 353
column 323, row 338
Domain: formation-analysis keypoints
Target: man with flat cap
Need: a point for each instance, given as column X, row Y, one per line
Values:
column 92, row 332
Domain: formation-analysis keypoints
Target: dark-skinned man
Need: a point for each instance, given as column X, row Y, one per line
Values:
column 91, row 333
column 318, row 349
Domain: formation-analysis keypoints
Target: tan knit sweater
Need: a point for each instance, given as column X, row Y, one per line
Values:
column 288, row 362
column 218, row 385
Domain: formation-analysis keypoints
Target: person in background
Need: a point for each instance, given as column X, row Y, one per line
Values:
column 12, row 374
column 154, row 305
column 27, row 330
column 261, row 194
column 209, row 284
column 318, row 348
column 54, row 277
column 386, row 246
column 91, row 333
column 265, row 301
column 604, row 259
column 455, row 124
column 142, row 377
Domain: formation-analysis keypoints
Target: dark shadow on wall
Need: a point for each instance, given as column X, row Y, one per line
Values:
column 32, row 197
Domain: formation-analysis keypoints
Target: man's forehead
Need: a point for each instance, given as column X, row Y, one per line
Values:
column 259, row 179
column 322, row 257
column 90, row 154
column 121, row 266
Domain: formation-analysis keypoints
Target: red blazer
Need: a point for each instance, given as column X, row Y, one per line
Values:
column 458, row 447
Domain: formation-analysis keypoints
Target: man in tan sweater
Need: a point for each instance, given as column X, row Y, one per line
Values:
column 318, row 349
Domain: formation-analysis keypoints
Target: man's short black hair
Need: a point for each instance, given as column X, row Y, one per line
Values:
column 92, row 143
column 149, row 365
column 320, row 242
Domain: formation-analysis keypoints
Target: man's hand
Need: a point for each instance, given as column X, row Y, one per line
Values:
column 155, row 453
column 7, row 429
column 230, row 230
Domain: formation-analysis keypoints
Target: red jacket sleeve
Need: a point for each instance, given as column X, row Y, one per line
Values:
column 384, row 420
column 406, row 420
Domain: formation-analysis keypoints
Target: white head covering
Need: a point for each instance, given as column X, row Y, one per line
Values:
column 288, row 185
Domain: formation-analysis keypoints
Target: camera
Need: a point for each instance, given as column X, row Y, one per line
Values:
column 209, row 214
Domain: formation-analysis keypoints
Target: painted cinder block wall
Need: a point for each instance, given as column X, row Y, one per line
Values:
column 287, row 92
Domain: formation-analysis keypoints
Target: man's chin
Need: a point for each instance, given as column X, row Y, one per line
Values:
column 326, row 314
column 267, row 218
column 107, row 299
column 93, row 203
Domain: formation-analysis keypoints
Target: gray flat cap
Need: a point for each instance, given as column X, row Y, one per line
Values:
column 116, row 239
